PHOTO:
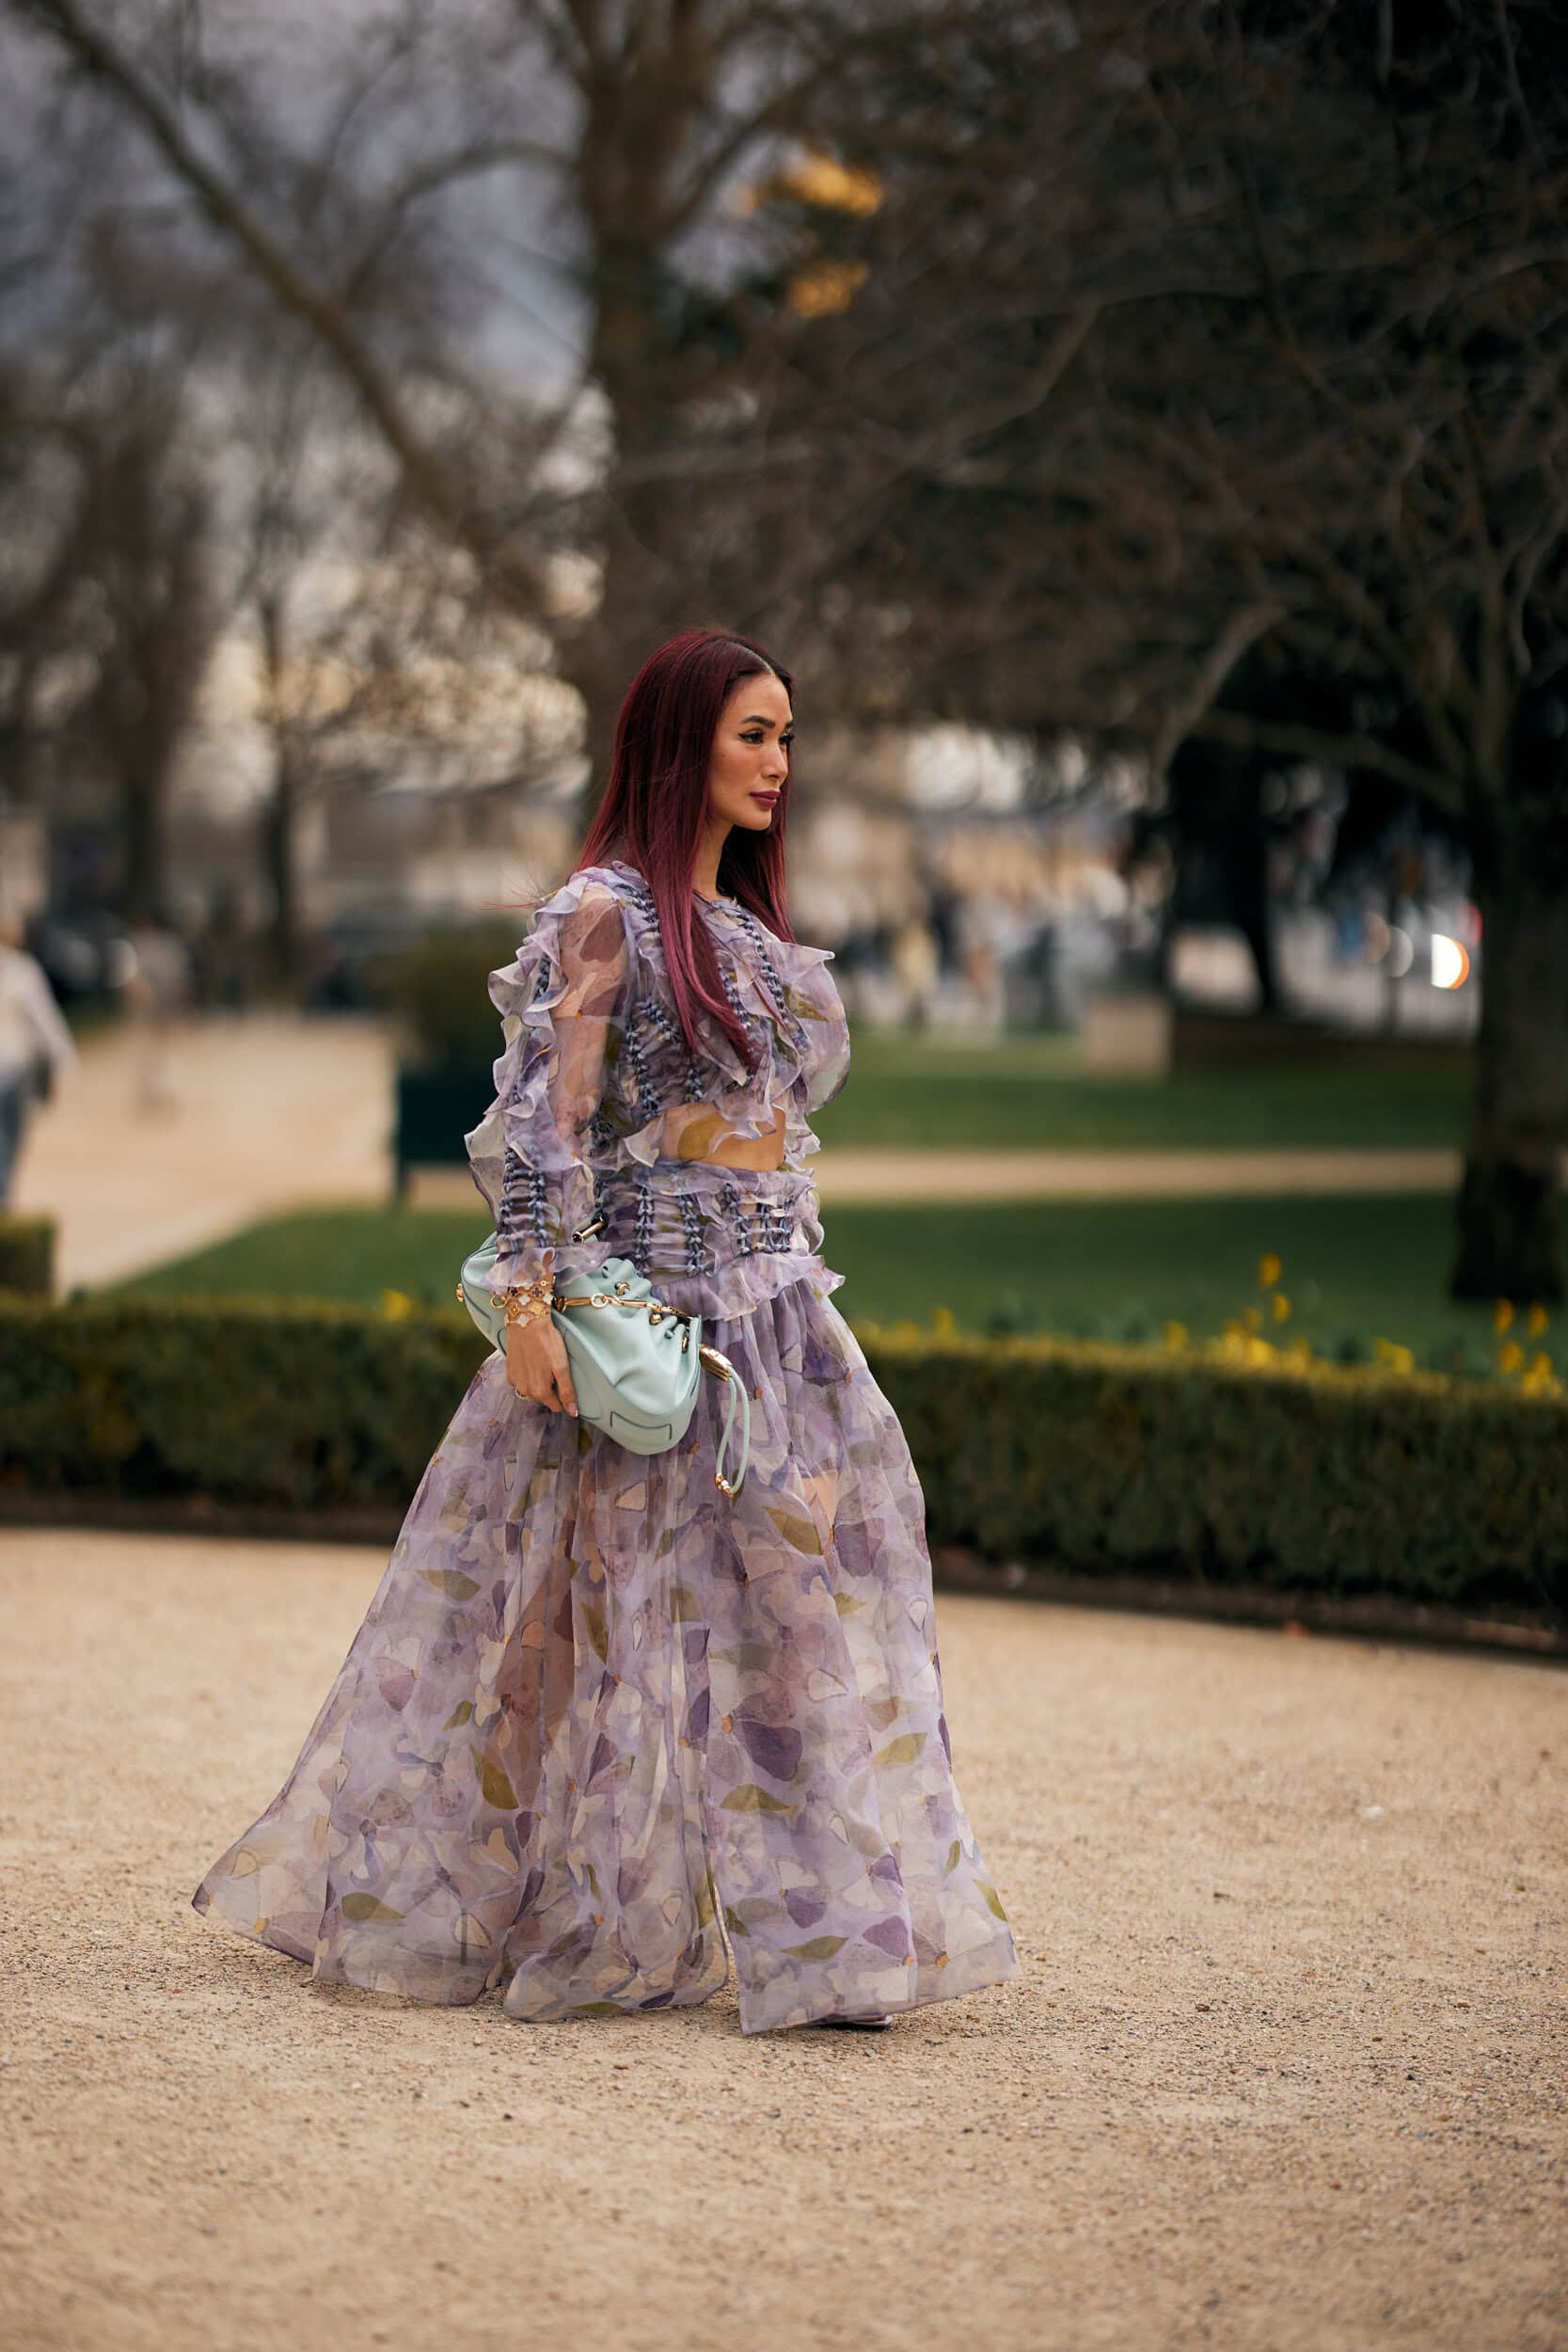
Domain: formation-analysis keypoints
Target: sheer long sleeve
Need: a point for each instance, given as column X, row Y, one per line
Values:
column 563, row 1005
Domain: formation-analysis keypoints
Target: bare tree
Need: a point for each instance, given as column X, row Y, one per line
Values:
column 1185, row 375
column 1304, row 488
column 112, row 607
column 1386, row 477
column 377, row 651
column 647, row 118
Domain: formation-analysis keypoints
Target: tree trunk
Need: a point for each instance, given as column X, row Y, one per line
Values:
column 1510, row 1227
column 1247, row 860
column 280, row 824
column 142, row 810
column 1218, row 814
column 644, row 537
column 281, row 810
column 1392, row 980
column 649, row 592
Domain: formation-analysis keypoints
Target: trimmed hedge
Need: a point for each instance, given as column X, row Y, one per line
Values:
column 301, row 1406
column 1074, row 1455
column 1115, row 1460
column 27, row 1254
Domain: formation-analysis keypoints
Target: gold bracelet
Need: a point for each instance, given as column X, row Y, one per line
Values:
column 525, row 1302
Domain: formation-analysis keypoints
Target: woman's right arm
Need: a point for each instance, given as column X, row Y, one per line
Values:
column 578, row 979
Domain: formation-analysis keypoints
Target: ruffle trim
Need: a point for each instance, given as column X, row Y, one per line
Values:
column 527, row 993
column 737, row 1289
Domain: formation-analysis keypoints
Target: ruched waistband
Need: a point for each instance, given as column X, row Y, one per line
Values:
column 714, row 1241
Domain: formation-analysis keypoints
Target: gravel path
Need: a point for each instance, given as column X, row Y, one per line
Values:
column 266, row 1111
column 1286, row 2069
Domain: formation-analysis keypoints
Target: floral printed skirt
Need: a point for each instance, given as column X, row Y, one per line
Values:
column 603, row 1728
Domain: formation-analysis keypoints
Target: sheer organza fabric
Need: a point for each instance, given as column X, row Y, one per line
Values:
column 598, row 1098
column 603, row 1729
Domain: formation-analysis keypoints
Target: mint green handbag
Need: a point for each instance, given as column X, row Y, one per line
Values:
column 636, row 1365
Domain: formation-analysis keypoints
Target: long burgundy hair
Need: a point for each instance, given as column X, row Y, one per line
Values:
column 655, row 803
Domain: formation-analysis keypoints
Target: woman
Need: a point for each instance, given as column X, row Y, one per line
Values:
column 36, row 1048
column 605, row 1727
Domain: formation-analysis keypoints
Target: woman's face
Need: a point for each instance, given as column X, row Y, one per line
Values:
column 750, row 766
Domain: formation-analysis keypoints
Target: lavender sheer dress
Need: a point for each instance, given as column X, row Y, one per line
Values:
column 602, row 1729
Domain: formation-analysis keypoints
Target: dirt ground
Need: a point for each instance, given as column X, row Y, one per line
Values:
column 1287, row 2065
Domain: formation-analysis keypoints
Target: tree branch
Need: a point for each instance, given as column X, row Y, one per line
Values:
column 1348, row 752
column 430, row 179
column 1244, row 629
column 429, row 482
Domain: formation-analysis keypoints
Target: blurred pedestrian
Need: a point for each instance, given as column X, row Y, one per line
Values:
column 917, row 967
column 979, row 922
column 157, row 987
column 36, row 1046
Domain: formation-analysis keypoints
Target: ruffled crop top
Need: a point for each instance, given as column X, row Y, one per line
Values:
column 599, row 1097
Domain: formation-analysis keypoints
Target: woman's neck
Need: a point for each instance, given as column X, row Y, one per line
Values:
column 704, row 866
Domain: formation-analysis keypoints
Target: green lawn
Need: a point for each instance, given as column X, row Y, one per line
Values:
column 952, row 1091
column 1354, row 1267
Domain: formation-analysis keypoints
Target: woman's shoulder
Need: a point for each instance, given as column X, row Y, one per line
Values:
column 595, row 890
column 611, row 880
column 613, row 875
column 589, row 893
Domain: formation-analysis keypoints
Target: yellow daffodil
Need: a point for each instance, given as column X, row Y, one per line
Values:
column 1511, row 1357
column 1537, row 1321
column 1502, row 1315
column 1280, row 1307
column 943, row 1321
column 1269, row 1270
column 1174, row 1334
column 396, row 1306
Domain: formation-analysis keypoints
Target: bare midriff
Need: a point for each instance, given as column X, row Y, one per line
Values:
column 695, row 1131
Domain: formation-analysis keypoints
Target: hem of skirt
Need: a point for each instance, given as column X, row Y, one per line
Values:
column 461, row 1990
column 553, row 2011
column 989, row 1964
